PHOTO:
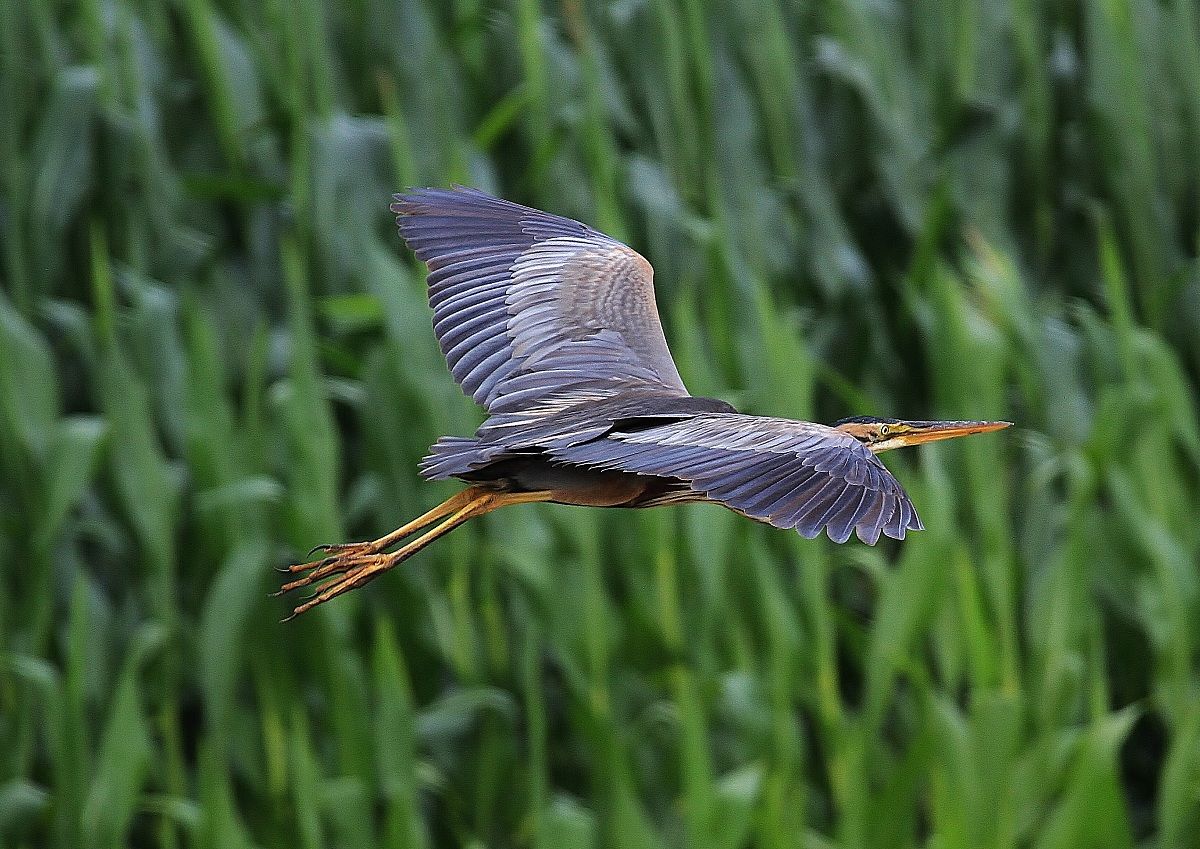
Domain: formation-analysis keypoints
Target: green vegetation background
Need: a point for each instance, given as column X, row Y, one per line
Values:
column 215, row 353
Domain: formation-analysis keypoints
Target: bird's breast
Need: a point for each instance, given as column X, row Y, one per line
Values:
column 568, row 484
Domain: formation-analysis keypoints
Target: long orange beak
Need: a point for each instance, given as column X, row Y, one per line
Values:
column 922, row 432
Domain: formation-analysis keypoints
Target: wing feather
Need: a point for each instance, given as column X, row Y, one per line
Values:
column 528, row 305
column 778, row 473
column 842, row 524
column 787, row 473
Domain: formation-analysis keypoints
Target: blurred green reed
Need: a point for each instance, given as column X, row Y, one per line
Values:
column 214, row 353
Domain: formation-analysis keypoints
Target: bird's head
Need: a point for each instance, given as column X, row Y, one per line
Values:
column 885, row 434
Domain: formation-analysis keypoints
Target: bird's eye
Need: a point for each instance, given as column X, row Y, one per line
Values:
column 884, row 430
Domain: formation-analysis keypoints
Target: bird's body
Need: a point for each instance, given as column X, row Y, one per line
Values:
column 534, row 450
column 552, row 327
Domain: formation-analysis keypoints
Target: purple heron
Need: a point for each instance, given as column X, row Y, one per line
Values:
column 552, row 327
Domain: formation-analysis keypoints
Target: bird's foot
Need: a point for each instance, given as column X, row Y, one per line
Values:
column 335, row 551
column 356, row 563
column 338, row 556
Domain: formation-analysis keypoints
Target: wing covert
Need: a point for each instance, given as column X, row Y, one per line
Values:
column 787, row 473
column 527, row 304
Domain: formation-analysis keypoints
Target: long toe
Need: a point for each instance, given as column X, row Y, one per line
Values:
column 333, row 550
column 319, row 569
column 366, row 568
column 345, row 548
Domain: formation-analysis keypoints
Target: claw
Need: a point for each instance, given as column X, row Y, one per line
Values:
column 333, row 547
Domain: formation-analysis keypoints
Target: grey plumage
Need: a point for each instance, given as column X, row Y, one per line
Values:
column 553, row 328
column 527, row 304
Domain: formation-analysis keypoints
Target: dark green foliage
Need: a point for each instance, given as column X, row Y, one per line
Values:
column 214, row 353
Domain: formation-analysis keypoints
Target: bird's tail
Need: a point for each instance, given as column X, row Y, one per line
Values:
column 451, row 456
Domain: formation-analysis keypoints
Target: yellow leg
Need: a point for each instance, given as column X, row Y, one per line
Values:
column 347, row 549
column 358, row 563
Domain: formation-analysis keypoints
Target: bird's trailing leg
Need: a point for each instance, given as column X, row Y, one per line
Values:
column 357, row 563
column 338, row 552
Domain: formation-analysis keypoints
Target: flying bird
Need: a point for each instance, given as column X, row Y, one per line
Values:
column 552, row 327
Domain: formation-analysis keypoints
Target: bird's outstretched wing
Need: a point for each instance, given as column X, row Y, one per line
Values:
column 527, row 304
column 787, row 473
